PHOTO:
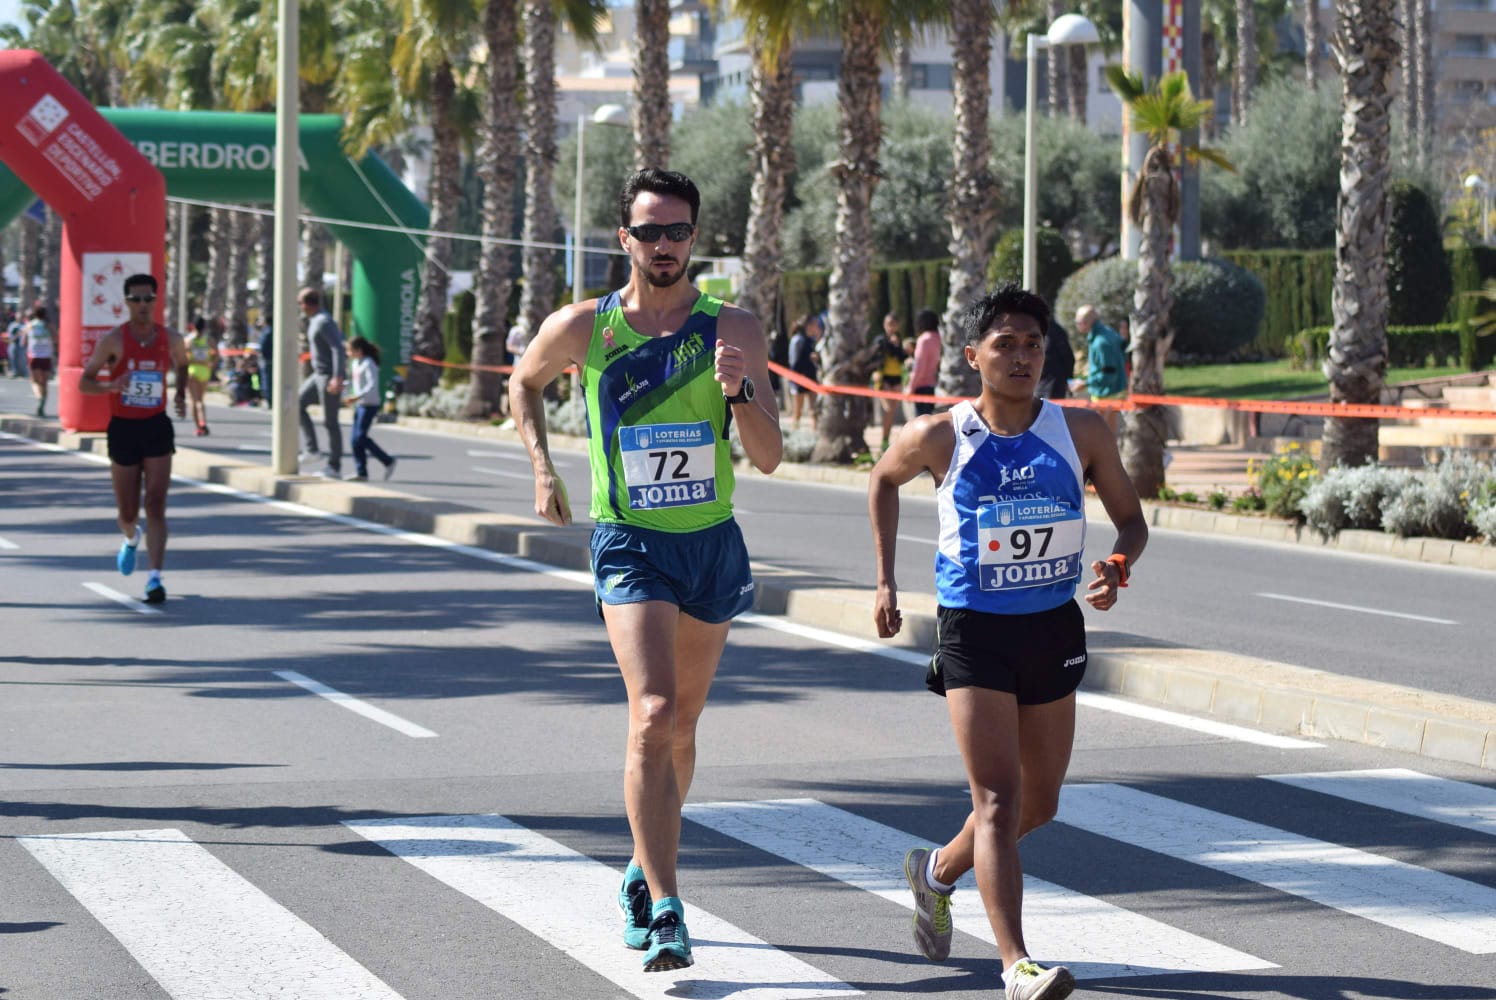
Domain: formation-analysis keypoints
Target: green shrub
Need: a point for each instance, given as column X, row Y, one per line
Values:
column 1298, row 285
column 1283, row 480
column 1054, row 261
column 1418, row 272
column 1438, row 345
column 1217, row 305
column 457, row 329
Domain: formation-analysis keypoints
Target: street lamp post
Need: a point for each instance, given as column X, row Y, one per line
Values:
column 1475, row 182
column 287, row 220
column 1067, row 29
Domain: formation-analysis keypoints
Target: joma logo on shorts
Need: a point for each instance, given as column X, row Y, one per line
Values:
column 1075, row 661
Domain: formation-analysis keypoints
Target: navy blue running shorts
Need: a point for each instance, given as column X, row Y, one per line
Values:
column 1039, row 657
column 704, row 573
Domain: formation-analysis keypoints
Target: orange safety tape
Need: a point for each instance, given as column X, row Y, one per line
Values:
column 234, row 352
column 500, row 369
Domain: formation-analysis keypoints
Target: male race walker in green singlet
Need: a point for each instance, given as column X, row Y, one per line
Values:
column 666, row 370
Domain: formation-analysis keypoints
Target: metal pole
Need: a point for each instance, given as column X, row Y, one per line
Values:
column 1031, row 163
column 287, row 203
column 578, row 284
column 337, row 284
column 184, row 239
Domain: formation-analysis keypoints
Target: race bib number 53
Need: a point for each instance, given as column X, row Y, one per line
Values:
column 1028, row 543
column 144, row 389
column 669, row 465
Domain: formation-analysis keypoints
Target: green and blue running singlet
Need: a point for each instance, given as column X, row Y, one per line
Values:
column 657, row 422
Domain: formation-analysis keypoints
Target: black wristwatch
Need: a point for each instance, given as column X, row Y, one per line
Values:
column 745, row 393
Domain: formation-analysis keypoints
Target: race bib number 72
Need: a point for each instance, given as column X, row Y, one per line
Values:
column 1028, row 543
column 669, row 465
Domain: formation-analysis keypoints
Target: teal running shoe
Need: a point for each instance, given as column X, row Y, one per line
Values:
column 669, row 942
column 126, row 559
column 634, row 904
column 154, row 592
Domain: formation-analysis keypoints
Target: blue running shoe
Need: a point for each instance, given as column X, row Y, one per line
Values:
column 669, row 942
column 126, row 559
column 634, row 903
column 155, row 593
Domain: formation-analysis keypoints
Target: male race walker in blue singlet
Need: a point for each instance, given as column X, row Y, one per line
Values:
column 666, row 370
column 1010, row 473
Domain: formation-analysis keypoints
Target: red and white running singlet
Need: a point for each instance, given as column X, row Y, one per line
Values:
column 143, row 368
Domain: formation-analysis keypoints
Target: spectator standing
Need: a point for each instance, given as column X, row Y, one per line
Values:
column 890, row 371
column 267, row 364
column 1106, row 371
column 806, row 362
column 926, row 359
column 1059, row 363
column 325, row 384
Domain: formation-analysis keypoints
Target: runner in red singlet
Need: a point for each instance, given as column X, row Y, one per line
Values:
column 138, row 356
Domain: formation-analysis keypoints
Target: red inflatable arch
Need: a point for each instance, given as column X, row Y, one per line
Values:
column 112, row 203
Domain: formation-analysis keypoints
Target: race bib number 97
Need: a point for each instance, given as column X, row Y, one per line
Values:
column 145, row 389
column 1028, row 543
column 669, row 465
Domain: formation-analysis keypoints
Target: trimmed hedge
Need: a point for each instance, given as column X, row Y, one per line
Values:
column 1217, row 306
column 901, row 289
column 1298, row 285
column 1441, row 344
column 1055, row 262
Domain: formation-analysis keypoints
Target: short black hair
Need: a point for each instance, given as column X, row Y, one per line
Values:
column 664, row 182
column 365, row 347
column 976, row 319
column 926, row 319
column 40, row 312
column 141, row 279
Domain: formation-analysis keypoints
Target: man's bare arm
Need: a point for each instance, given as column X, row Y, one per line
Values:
column 105, row 351
column 746, row 355
column 562, row 340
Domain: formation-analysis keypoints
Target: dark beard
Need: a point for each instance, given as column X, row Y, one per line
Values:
column 663, row 280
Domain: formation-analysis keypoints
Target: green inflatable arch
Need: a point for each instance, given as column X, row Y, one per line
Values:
column 229, row 157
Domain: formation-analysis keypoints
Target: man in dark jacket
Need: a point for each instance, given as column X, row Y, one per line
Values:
column 1059, row 363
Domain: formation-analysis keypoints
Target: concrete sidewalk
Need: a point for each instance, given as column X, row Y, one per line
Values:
column 1272, row 696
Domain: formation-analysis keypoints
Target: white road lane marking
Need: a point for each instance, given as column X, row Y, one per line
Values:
column 139, row 607
column 201, row 930
column 504, row 473
column 1397, row 789
column 566, row 899
column 1357, row 608
column 1090, row 936
column 356, row 705
column 1429, row 904
column 6, row 543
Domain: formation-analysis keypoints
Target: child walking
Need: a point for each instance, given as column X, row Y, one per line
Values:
column 365, row 396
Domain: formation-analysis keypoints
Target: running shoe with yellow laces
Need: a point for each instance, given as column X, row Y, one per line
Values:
column 932, row 910
column 1028, row 980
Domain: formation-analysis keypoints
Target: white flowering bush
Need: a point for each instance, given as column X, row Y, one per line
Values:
column 1351, row 497
column 1455, row 499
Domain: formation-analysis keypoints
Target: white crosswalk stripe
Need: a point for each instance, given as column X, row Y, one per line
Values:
column 504, row 865
column 200, row 929
column 1090, row 936
column 1427, row 903
column 1456, row 803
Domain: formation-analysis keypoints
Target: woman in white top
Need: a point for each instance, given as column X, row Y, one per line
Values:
column 365, row 398
column 39, row 355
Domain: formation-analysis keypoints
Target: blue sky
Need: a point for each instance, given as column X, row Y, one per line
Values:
column 10, row 10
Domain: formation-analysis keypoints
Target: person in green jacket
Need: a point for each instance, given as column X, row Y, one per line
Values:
column 1106, row 360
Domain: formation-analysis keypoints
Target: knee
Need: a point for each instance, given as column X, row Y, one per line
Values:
column 155, row 504
column 996, row 814
column 654, row 722
column 1039, row 807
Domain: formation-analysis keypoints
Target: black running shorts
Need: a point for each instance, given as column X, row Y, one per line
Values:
column 133, row 441
column 1039, row 657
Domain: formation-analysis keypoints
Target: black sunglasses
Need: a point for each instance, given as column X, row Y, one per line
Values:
column 676, row 232
column 140, row 298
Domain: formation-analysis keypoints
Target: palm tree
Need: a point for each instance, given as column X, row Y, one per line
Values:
column 429, row 56
column 1313, row 42
column 496, row 158
column 971, row 211
column 1365, row 47
column 1246, row 59
column 652, row 84
column 1058, row 66
column 1423, row 16
column 1161, row 112
column 538, row 295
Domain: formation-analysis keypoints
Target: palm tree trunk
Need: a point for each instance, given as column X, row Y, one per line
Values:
column 314, row 254
column 1408, row 78
column 1246, row 59
column 1426, row 80
column 538, row 296
column 843, row 418
column 496, row 160
column 771, row 86
column 971, row 211
column 1210, row 79
column 443, row 197
column 52, row 267
column 1145, row 431
column 1080, row 82
column 30, row 260
column 652, row 84
column 1356, row 365
column 236, row 292
column 1057, row 67
column 177, row 258
column 903, row 70
column 215, row 291
column 1313, row 42
column 265, row 255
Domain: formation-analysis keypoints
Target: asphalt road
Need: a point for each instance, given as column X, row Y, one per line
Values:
column 181, row 815
column 1424, row 626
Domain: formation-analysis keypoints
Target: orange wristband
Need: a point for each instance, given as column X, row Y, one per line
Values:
column 1120, row 561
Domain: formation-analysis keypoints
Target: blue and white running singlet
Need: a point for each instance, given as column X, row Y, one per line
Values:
column 1012, row 516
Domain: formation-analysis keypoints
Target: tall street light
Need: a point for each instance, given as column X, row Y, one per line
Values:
column 285, row 383
column 1067, row 29
column 1475, row 182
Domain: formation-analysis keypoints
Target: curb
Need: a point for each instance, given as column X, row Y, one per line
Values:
column 1273, row 696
